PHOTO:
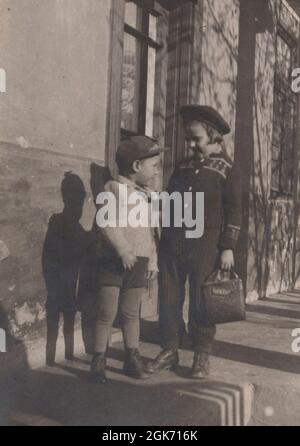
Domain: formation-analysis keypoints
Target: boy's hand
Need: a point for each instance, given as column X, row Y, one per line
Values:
column 227, row 260
column 128, row 260
column 151, row 275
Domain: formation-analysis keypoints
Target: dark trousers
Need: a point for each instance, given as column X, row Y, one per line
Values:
column 53, row 314
column 180, row 260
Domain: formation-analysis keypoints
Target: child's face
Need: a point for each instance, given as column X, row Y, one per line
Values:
column 146, row 170
column 196, row 134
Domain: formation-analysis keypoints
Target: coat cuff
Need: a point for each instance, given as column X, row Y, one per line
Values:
column 230, row 237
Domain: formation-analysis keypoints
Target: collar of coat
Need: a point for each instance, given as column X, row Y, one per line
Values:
column 133, row 187
column 214, row 159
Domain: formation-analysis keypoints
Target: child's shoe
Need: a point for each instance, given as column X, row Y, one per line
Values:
column 200, row 368
column 97, row 372
column 134, row 366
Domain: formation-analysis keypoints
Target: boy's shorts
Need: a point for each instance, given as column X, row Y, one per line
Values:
column 113, row 274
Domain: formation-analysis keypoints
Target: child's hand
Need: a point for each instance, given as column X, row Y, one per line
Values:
column 128, row 260
column 151, row 275
column 227, row 260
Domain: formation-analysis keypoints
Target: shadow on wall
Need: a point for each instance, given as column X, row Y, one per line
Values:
column 272, row 242
column 262, row 244
column 64, row 247
column 87, row 292
column 70, row 265
column 234, row 79
column 220, row 55
column 13, row 371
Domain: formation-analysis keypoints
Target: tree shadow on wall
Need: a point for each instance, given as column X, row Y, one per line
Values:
column 249, row 50
column 266, row 244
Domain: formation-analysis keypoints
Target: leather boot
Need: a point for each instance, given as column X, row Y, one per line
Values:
column 166, row 360
column 97, row 372
column 134, row 366
column 200, row 368
column 50, row 354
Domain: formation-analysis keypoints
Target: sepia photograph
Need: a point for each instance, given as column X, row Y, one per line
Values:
column 149, row 215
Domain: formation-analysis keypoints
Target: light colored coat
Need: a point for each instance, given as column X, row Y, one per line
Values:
column 121, row 235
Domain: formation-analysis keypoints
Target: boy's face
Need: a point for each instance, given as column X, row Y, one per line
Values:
column 146, row 170
column 196, row 135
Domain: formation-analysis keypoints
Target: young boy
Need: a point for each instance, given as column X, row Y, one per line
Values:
column 127, row 257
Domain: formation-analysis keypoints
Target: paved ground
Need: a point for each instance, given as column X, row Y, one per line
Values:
column 255, row 380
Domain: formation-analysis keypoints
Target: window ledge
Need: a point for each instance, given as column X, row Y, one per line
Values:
column 173, row 4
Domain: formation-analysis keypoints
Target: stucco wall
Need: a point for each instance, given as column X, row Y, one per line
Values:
column 52, row 120
column 30, row 182
column 55, row 54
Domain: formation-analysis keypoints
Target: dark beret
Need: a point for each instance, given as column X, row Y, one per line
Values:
column 207, row 115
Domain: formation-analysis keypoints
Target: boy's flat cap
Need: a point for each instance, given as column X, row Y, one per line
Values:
column 136, row 148
column 207, row 115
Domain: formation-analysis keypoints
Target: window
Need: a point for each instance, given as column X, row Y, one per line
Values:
column 139, row 68
column 285, row 106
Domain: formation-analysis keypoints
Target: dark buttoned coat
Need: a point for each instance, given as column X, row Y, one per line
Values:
column 196, row 258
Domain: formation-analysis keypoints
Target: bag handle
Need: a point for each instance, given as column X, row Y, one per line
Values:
column 221, row 276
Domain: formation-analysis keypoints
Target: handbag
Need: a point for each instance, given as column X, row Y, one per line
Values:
column 224, row 298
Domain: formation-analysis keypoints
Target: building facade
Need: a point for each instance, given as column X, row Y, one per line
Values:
column 82, row 74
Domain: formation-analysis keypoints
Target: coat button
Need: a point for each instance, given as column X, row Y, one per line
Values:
column 197, row 171
column 190, row 188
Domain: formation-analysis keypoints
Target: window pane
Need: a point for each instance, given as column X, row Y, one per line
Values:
column 130, row 83
column 150, row 92
column 133, row 15
column 284, row 58
column 153, row 27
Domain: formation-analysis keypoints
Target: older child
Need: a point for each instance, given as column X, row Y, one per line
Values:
column 211, row 171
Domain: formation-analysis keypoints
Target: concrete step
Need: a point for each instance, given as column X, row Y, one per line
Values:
column 62, row 395
column 261, row 351
column 254, row 380
column 276, row 405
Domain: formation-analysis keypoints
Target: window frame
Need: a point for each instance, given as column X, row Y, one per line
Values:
column 147, row 8
column 174, row 85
